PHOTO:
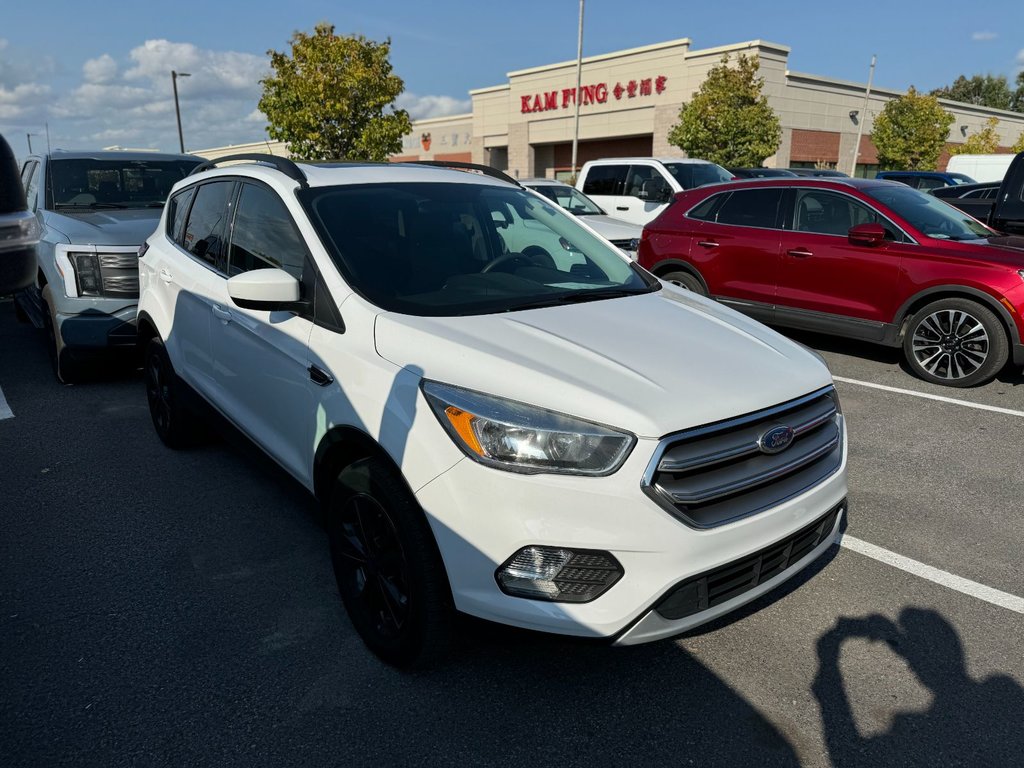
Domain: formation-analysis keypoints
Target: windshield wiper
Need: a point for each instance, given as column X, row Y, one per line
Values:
column 90, row 205
column 578, row 297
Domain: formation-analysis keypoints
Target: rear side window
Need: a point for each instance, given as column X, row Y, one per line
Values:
column 205, row 230
column 751, row 208
column 263, row 235
column 605, row 180
column 177, row 210
column 706, row 210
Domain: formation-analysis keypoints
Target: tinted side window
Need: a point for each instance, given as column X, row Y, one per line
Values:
column 828, row 213
column 177, row 209
column 751, row 208
column 640, row 180
column 929, row 183
column 205, row 230
column 26, row 173
column 605, row 180
column 706, row 210
column 263, row 235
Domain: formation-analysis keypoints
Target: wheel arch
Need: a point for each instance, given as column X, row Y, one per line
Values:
column 936, row 293
column 341, row 447
column 667, row 266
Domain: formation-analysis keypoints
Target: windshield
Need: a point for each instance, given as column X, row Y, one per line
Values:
column 928, row 214
column 961, row 178
column 88, row 183
column 447, row 249
column 690, row 175
column 569, row 198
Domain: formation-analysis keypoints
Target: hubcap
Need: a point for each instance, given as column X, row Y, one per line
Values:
column 375, row 563
column 950, row 344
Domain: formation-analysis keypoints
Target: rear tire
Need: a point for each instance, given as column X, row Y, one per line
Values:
column 176, row 425
column 388, row 569
column 686, row 281
column 956, row 343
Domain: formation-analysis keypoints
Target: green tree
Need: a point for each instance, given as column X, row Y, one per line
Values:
column 729, row 121
column 1018, row 145
column 1017, row 105
column 910, row 132
column 983, row 90
column 984, row 142
column 333, row 97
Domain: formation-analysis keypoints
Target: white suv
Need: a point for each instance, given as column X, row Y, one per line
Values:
column 553, row 440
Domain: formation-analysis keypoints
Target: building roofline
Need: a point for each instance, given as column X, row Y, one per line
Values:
column 747, row 45
column 490, row 89
column 681, row 42
column 463, row 116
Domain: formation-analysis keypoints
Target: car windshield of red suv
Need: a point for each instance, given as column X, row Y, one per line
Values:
column 928, row 214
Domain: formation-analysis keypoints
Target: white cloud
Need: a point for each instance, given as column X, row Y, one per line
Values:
column 983, row 37
column 101, row 70
column 425, row 107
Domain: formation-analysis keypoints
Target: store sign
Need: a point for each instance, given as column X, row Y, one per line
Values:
column 592, row 94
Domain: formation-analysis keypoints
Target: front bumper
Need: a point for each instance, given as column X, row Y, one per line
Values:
column 94, row 329
column 480, row 516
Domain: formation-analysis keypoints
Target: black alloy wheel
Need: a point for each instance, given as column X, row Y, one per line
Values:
column 175, row 425
column 389, row 572
column 956, row 342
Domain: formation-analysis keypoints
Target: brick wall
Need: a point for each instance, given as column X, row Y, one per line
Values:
column 636, row 146
column 813, row 146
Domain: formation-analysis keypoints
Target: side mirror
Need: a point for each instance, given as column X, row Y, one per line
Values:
column 867, row 234
column 265, row 289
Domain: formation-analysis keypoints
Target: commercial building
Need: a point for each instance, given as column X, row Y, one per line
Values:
column 630, row 99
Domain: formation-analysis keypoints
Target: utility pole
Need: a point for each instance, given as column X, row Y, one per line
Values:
column 29, row 137
column 579, row 67
column 863, row 117
column 177, row 109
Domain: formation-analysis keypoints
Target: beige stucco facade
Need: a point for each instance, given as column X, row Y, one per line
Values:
column 525, row 126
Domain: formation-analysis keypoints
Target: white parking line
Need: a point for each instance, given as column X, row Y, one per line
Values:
column 927, row 396
column 946, row 579
column 5, row 409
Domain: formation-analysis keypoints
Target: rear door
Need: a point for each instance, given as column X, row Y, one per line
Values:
column 605, row 184
column 735, row 245
column 825, row 277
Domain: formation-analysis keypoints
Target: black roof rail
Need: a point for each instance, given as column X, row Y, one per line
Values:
column 283, row 164
column 486, row 170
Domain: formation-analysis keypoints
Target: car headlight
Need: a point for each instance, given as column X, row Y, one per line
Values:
column 522, row 438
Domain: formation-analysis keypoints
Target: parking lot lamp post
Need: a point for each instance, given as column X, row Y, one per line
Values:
column 576, row 122
column 177, row 109
column 863, row 117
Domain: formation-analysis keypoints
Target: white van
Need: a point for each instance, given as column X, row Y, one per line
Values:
column 637, row 189
column 980, row 167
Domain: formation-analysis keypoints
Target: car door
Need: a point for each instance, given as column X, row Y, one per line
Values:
column 261, row 358
column 194, row 282
column 736, row 247
column 825, row 278
column 617, row 189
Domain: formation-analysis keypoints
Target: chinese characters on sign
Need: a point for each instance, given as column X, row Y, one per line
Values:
column 592, row 94
column 426, row 140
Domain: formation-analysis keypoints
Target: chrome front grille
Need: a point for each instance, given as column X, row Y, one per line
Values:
column 714, row 474
column 119, row 274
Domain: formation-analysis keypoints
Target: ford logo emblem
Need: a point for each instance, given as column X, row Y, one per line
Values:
column 776, row 439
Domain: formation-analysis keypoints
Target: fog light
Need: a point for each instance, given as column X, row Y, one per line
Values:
column 558, row 574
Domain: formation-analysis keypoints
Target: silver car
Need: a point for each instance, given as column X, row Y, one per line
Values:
column 95, row 210
column 623, row 234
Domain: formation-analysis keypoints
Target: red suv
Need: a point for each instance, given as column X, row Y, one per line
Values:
column 871, row 260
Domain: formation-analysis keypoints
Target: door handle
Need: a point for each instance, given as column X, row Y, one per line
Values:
column 221, row 313
column 707, row 243
column 319, row 377
column 800, row 253
column 621, row 207
column 166, row 276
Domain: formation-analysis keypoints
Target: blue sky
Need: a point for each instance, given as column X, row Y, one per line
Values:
column 99, row 73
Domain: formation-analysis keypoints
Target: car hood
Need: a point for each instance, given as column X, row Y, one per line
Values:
column 651, row 364
column 105, row 227
column 612, row 228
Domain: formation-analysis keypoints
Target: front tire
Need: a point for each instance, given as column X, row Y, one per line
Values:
column 956, row 343
column 176, row 425
column 65, row 368
column 685, row 281
column 389, row 572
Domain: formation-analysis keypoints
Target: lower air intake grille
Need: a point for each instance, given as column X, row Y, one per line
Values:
column 728, row 581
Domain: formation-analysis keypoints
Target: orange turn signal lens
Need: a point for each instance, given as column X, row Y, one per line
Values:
column 462, row 421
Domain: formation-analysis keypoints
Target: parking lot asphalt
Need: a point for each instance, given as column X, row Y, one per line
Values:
column 178, row 608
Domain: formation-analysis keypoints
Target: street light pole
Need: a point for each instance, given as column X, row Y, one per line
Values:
column 177, row 109
column 863, row 117
column 576, row 123
column 29, row 137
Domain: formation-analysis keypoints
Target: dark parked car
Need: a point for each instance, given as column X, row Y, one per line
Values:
column 925, row 179
column 866, row 259
column 818, row 172
column 975, row 199
column 760, row 173
column 19, row 228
